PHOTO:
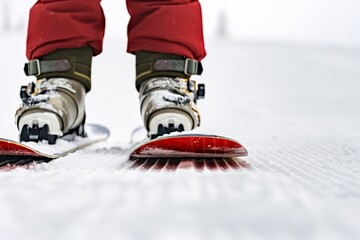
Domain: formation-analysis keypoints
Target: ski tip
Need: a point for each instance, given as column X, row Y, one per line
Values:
column 190, row 146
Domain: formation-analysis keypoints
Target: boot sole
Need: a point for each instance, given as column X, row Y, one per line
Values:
column 168, row 121
column 39, row 126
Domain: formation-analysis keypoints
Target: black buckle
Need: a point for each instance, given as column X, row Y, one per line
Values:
column 200, row 93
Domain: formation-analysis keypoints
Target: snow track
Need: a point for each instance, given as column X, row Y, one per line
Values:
column 293, row 107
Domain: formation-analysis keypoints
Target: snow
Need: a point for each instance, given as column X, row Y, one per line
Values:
column 294, row 107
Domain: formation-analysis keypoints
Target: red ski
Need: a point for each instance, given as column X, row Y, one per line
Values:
column 190, row 146
column 12, row 152
column 194, row 151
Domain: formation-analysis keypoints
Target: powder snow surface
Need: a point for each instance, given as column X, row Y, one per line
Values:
column 295, row 108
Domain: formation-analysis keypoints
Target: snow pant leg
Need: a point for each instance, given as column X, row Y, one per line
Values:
column 166, row 26
column 64, row 24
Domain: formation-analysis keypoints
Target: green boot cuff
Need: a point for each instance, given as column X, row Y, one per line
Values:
column 79, row 65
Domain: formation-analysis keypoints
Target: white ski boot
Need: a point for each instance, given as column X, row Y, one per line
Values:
column 169, row 105
column 51, row 108
column 167, row 95
column 54, row 106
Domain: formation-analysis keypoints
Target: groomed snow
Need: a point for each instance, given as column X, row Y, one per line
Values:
column 295, row 108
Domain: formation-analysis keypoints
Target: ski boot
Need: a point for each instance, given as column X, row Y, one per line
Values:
column 167, row 95
column 54, row 106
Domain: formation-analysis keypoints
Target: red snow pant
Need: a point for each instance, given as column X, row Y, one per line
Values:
column 166, row 26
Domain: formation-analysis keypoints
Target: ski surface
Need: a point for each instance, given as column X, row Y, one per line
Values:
column 12, row 152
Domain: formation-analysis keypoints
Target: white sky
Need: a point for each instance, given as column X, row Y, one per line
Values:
column 319, row 21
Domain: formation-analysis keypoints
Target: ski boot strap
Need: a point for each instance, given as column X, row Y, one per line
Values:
column 72, row 63
column 36, row 67
column 187, row 66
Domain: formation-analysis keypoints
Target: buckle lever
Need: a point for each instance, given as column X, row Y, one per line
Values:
column 191, row 67
column 33, row 68
column 200, row 93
